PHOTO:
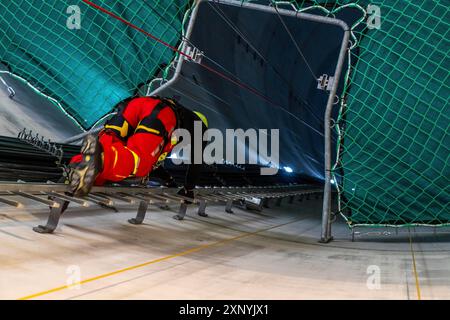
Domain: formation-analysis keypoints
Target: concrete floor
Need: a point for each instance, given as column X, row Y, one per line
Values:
column 246, row 255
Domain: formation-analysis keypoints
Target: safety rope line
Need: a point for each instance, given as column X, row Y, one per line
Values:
column 131, row 25
column 293, row 39
column 191, row 97
column 194, row 99
column 210, row 69
column 183, row 76
column 239, row 32
column 254, row 91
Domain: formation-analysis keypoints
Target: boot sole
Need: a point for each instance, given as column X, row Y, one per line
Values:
column 82, row 177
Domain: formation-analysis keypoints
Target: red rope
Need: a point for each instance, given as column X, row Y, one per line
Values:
column 128, row 23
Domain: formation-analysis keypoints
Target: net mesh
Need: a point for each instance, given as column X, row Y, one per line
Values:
column 87, row 70
column 392, row 165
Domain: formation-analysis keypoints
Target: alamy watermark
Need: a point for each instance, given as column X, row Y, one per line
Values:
column 238, row 147
column 73, row 22
column 374, row 16
column 73, row 280
column 374, row 279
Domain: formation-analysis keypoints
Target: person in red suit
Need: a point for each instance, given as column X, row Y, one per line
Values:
column 133, row 143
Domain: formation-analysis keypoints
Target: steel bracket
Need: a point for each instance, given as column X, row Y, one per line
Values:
column 325, row 82
column 53, row 218
column 181, row 212
column 141, row 212
column 201, row 208
column 194, row 54
column 229, row 206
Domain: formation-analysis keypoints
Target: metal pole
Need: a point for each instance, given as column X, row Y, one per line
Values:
column 326, row 213
column 80, row 136
column 264, row 8
column 326, row 223
column 291, row 13
column 181, row 59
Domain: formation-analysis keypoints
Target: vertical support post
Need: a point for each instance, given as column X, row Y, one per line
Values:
column 326, row 213
column 140, row 216
column 201, row 208
column 228, row 208
column 181, row 212
column 53, row 218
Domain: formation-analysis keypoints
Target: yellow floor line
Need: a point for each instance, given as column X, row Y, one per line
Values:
column 172, row 256
column 414, row 267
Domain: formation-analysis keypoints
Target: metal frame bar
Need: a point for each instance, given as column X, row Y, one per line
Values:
column 326, row 213
column 169, row 83
column 59, row 202
column 326, row 235
column 53, row 218
column 141, row 211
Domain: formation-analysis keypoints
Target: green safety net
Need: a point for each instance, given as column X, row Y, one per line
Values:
column 393, row 166
column 88, row 70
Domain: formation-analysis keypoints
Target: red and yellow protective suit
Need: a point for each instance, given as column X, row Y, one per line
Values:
column 136, row 139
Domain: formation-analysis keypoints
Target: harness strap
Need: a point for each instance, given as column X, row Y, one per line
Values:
column 151, row 124
column 117, row 123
